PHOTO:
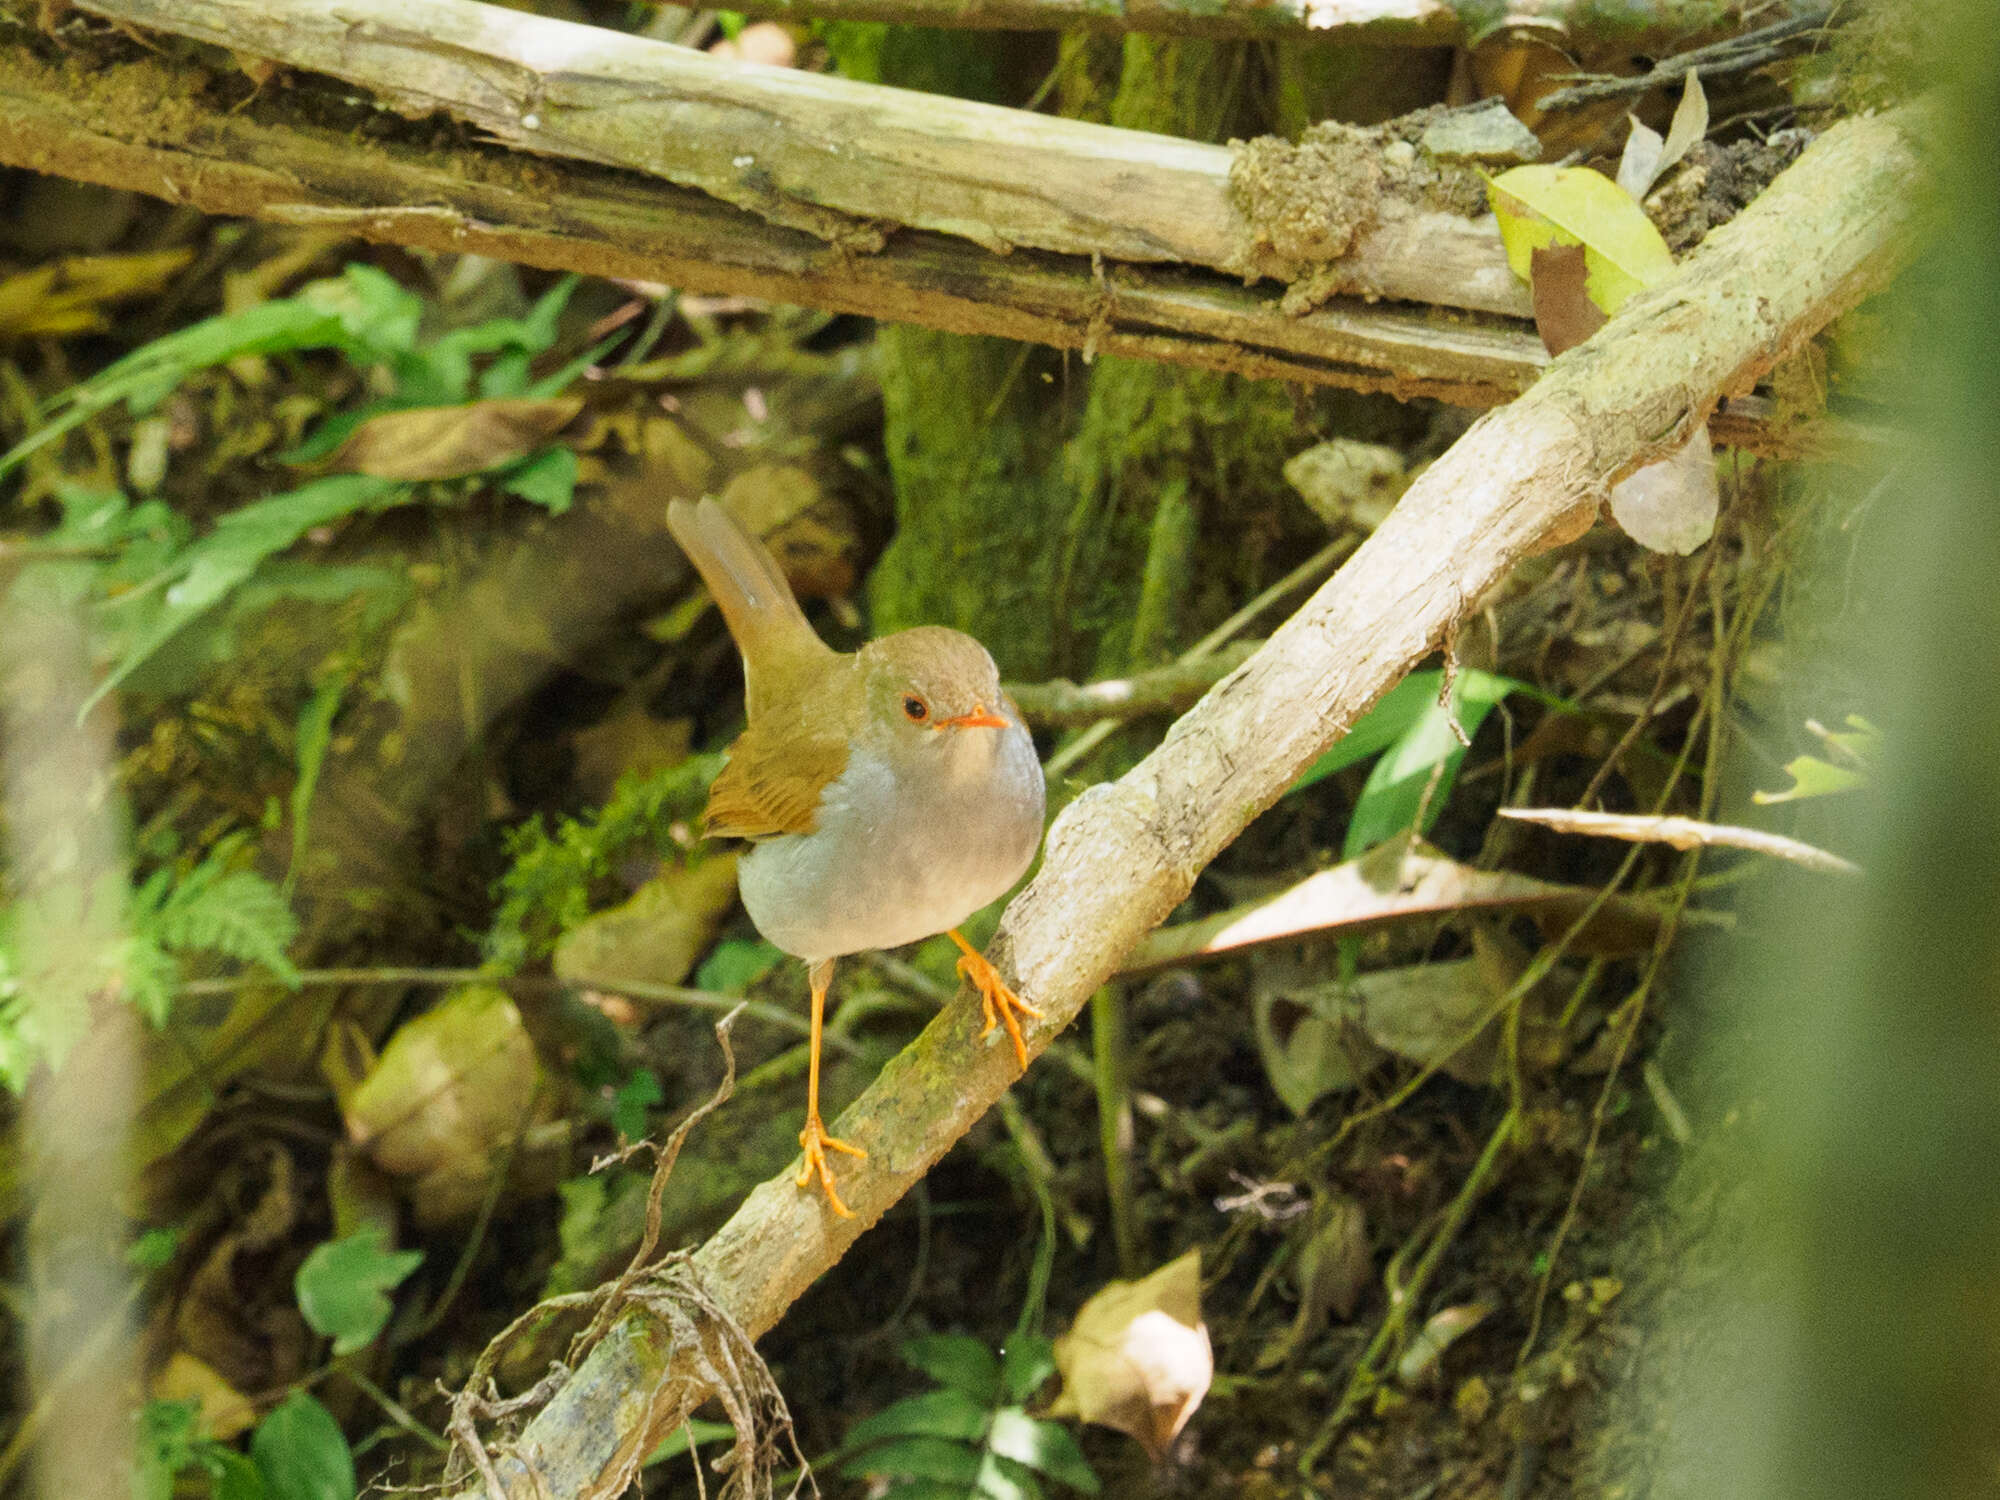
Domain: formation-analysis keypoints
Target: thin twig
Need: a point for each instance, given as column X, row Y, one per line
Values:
column 1209, row 645
column 663, row 1168
column 1684, row 833
column 1366, row 1375
column 1063, row 704
column 445, row 978
column 1735, row 54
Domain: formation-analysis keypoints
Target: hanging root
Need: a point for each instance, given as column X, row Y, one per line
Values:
column 708, row 1342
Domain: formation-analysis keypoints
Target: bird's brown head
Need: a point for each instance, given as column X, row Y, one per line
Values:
column 933, row 681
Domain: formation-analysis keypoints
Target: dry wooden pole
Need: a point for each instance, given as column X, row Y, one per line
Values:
column 847, row 162
column 277, row 160
column 1833, row 228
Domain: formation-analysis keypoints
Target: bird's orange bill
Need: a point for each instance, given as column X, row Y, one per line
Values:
column 1003, row 1007
column 979, row 718
column 814, row 1139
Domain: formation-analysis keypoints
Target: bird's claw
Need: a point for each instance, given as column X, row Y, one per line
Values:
column 1001, row 1005
column 816, row 1143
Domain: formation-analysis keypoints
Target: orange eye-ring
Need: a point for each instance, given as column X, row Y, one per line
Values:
column 915, row 709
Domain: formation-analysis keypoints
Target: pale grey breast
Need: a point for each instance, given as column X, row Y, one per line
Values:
column 896, row 858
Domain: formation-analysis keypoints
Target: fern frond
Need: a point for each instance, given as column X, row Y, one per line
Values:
column 236, row 913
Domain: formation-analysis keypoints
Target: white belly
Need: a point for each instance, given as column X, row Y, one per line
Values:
column 898, row 858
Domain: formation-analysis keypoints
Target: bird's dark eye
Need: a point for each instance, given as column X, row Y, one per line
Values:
column 915, row 709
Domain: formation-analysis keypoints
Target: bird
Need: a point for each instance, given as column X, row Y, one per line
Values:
column 887, row 793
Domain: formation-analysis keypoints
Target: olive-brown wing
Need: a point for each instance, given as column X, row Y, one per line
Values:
column 772, row 785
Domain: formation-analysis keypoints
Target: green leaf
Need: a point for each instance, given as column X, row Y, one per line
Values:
column 634, row 1098
column 959, row 1361
column 944, row 1413
column 310, row 742
column 1394, row 791
column 214, row 909
column 299, row 1451
column 232, row 1475
column 1812, row 777
column 1044, row 1446
column 1026, row 1361
column 690, row 1434
column 547, row 479
column 381, row 317
column 1860, row 744
column 1003, row 1479
column 1379, row 728
column 918, row 1458
column 343, row 1286
column 152, row 1249
column 169, row 1435
column 734, row 964
column 232, row 551
column 1542, row 206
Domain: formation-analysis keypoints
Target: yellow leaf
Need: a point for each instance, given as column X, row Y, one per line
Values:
column 446, row 1100
column 70, row 296
column 1542, row 206
column 225, row 1411
column 1138, row 1357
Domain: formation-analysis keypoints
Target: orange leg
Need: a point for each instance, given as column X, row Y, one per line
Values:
column 814, row 1138
column 1001, row 1004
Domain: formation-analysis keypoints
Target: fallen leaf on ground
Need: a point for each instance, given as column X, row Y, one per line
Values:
column 1334, row 1265
column 444, row 442
column 1444, row 1328
column 1541, row 206
column 1138, row 1357
column 446, row 1100
column 657, row 935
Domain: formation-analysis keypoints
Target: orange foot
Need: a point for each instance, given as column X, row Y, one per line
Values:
column 1001, row 1004
column 817, row 1143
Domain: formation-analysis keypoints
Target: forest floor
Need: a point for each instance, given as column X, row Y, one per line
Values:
column 1431, row 1250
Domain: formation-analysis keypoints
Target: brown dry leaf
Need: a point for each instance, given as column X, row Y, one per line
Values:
column 231, row 1314
column 1334, row 1266
column 1138, row 1357
column 446, row 1100
column 1396, row 883
column 444, row 442
column 627, row 740
column 1421, row 1011
column 658, row 934
column 1348, row 482
column 69, row 296
column 1560, row 281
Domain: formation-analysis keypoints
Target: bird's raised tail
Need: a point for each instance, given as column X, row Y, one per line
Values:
column 763, row 614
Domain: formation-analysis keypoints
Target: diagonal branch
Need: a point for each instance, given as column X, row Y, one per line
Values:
column 1832, row 229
